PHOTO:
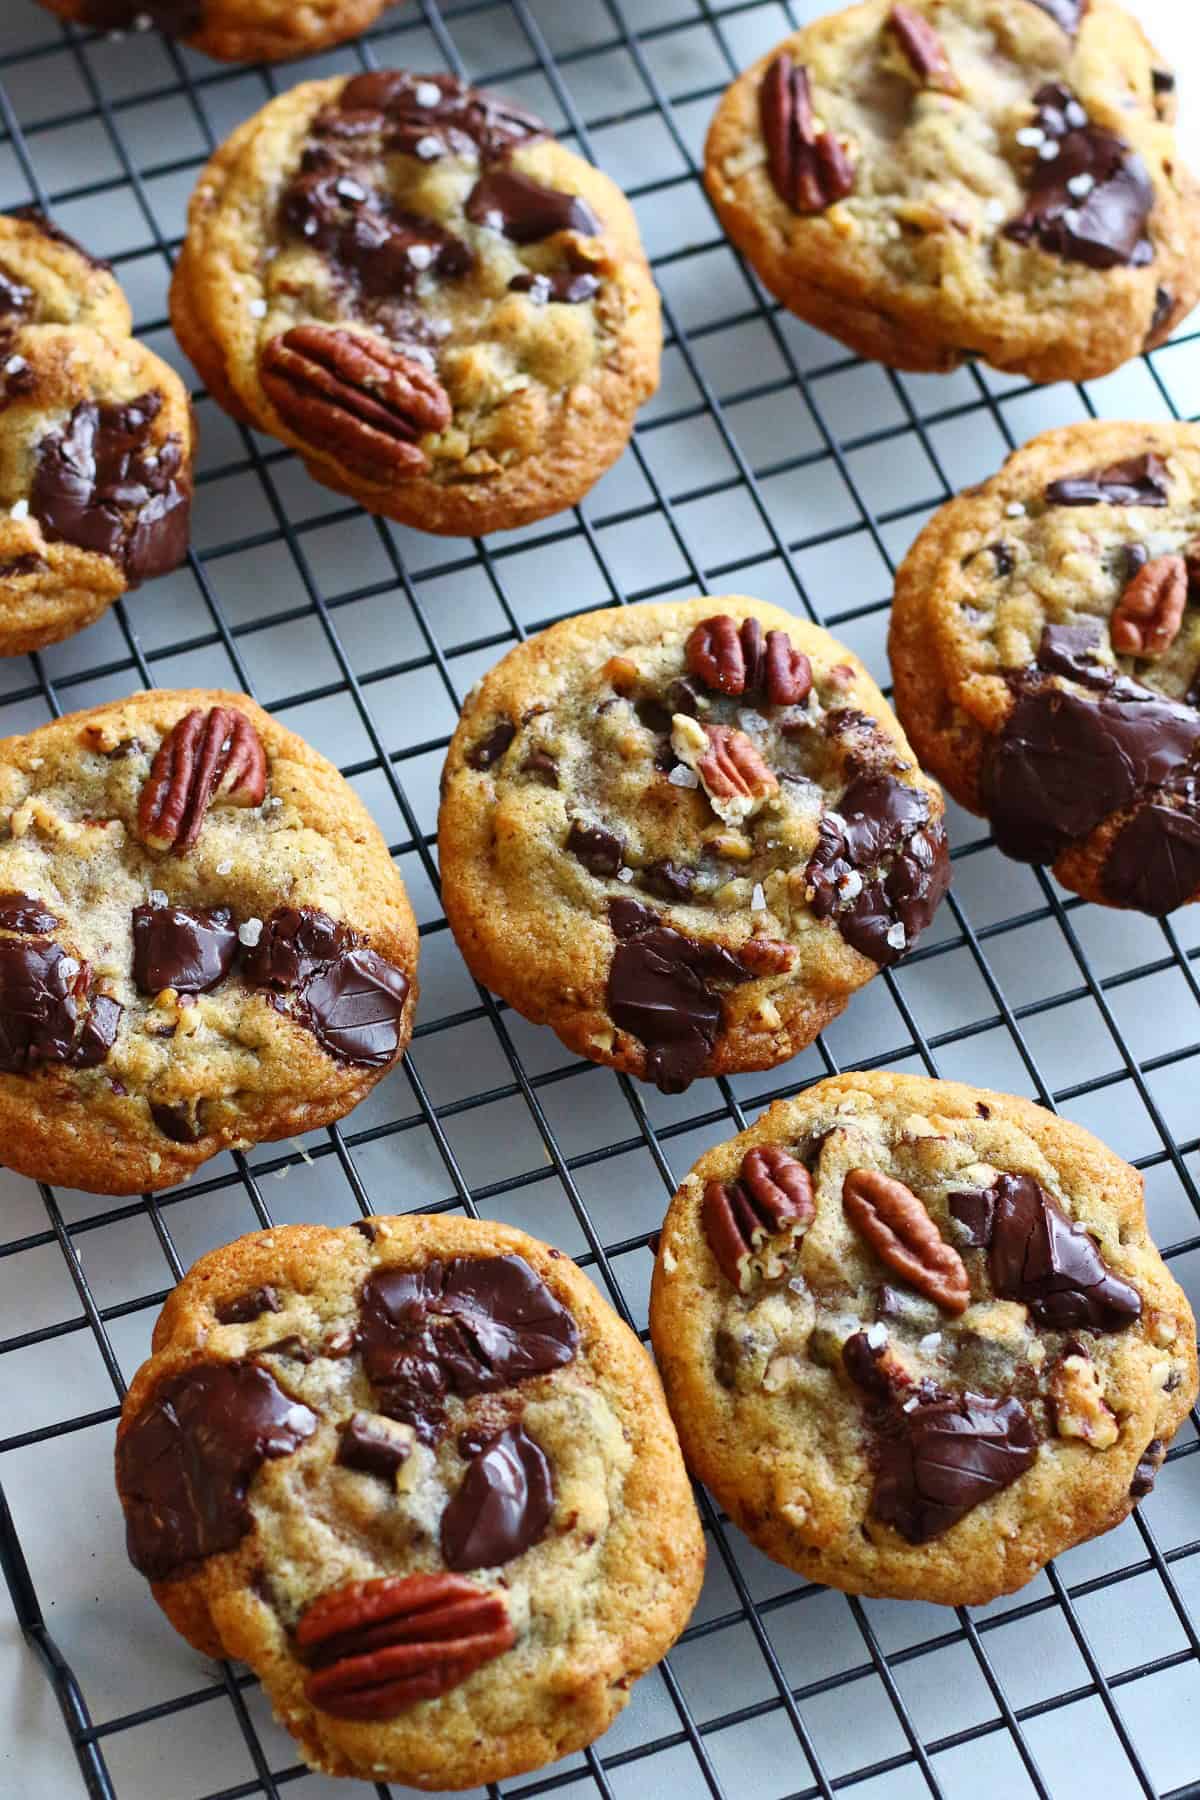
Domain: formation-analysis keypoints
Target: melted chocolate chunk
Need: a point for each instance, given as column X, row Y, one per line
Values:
column 945, row 1457
column 542, row 766
column 1037, row 1255
column 1073, row 651
column 16, row 300
column 564, row 286
column 503, row 1506
column 471, row 1326
column 1163, row 81
column 45, row 1013
column 1154, row 861
column 598, row 850
column 1064, row 762
column 1003, row 558
column 295, row 942
column 1106, row 228
column 1164, row 306
column 190, row 951
column 524, row 210
column 879, row 864
column 1138, row 481
column 976, row 1212
column 334, row 208
column 185, row 1465
column 20, row 912
column 177, row 1121
column 403, row 107
column 368, row 1444
column 1146, row 1472
column 1066, row 13
column 659, row 990
column 669, row 880
column 100, row 484
column 490, row 749
column 29, row 564
column 355, row 1007
column 248, row 1307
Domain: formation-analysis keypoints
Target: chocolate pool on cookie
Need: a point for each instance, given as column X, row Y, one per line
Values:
column 1045, row 642
column 683, row 834
column 931, row 180
column 447, row 314
column 916, row 1337
column 423, row 1481
column 203, row 941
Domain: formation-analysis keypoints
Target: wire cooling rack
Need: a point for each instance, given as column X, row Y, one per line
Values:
column 771, row 463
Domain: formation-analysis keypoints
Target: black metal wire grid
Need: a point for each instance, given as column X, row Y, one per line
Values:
column 771, row 462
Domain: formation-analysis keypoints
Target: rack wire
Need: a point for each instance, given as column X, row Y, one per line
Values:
column 771, row 462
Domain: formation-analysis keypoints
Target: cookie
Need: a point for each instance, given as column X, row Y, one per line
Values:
column 916, row 1338
column 1045, row 643
column 445, row 312
column 203, row 941
column 423, row 1481
column 96, row 441
column 233, row 30
column 683, row 834
column 951, row 178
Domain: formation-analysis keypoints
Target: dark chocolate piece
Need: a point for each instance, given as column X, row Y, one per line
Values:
column 947, row 1455
column 503, row 1505
column 175, row 18
column 21, row 913
column 542, row 766
column 1037, row 1255
column 524, row 210
column 46, row 1013
column 490, row 749
column 294, row 943
column 177, row 1121
column 669, row 880
column 367, row 1443
column 1003, row 558
column 565, row 286
column 1146, row 1472
column 333, row 207
column 879, row 839
column 1073, row 651
column 1154, row 861
column 597, row 849
column 975, row 1210
column 185, row 1465
column 1104, row 228
column 248, row 1307
column 660, row 991
column 355, row 1007
column 174, row 947
column 1164, row 306
column 1138, row 481
column 460, row 120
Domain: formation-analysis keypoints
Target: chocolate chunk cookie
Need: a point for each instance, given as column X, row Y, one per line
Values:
column 916, row 1338
column 96, row 441
column 203, row 941
column 950, row 178
column 446, row 313
column 1046, row 647
column 233, row 30
column 683, row 834
column 423, row 1481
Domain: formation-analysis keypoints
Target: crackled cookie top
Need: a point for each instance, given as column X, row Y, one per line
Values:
column 202, row 940
column 997, row 176
column 941, row 1309
column 694, row 823
column 1061, row 605
column 406, row 276
column 236, row 30
column 396, row 1466
column 95, row 441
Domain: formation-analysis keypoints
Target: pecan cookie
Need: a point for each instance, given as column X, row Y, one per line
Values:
column 203, row 941
column 420, row 1477
column 233, row 30
column 684, row 834
column 1045, row 642
column 951, row 178
column 96, row 441
column 916, row 1337
column 446, row 313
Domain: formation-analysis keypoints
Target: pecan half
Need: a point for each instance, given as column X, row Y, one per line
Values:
column 809, row 168
column 733, row 768
column 1150, row 611
column 788, row 673
column 205, row 759
column 364, row 402
column 902, row 1234
column 771, row 1197
column 738, row 659
column 923, row 50
column 379, row 1646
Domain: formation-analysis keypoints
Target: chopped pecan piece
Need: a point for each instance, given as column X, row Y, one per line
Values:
column 924, row 50
column 379, row 1646
column 809, row 168
column 1150, row 611
column 205, row 759
column 902, row 1234
column 772, row 1197
column 360, row 400
column 1080, row 1409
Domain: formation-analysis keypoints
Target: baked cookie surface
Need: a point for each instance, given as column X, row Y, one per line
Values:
column 946, row 178
column 449, row 315
column 1045, row 643
column 682, row 834
column 203, row 941
column 420, row 1477
column 233, row 30
column 916, row 1338
column 96, row 441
